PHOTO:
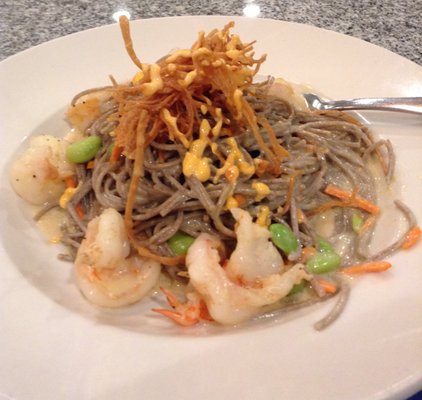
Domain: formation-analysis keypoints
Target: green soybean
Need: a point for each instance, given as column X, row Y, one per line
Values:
column 299, row 287
column 283, row 237
column 84, row 150
column 180, row 243
column 325, row 245
column 357, row 222
column 323, row 262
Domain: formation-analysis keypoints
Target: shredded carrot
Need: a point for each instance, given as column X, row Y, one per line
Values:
column 116, row 153
column 412, row 238
column 278, row 149
column 372, row 266
column 353, row 199
column 90, row 164
column 70, row 182
column 327, row 206
column 327, row 286
column 144, row 252
column 240, row 199
column 367, row 224
column 80, row 211
column 290, row 189
column 307, row 253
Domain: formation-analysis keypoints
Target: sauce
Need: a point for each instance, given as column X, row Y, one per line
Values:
column 262, row 190
column 156, row 83
column 194, row 163
column 50, row 224
column 263, row 217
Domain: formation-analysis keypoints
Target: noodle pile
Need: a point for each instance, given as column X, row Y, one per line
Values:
column 192, row 136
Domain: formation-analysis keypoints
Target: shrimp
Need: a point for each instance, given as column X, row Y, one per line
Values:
column 38, row 175
column 228, row 302
column 290, row 92
column 255, row 256
column 106, row 273
column 229, row 297
column 87, row 109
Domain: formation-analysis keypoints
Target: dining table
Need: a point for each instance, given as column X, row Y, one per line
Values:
column 390, row 24
column 394, row 25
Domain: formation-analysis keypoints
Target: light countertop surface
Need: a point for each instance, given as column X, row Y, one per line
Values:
column 394, row 25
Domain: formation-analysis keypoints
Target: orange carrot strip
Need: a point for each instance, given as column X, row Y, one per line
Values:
column 70, row 182
column 90, row 164
column 372, row 266
column 367, row 224
column 240, row 199
column 292, row 180
column 412, row 238
column 307, row 253
column 278, row 149
column 354, row 199
column 116, row 153
column 327, row 286
column 80, row 211
column 326, row 206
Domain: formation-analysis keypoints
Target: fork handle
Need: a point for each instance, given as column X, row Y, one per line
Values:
column 406, row 104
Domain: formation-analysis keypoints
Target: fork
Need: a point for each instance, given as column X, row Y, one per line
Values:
column 404, row 104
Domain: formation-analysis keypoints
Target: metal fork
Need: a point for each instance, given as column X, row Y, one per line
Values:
column 404, row 104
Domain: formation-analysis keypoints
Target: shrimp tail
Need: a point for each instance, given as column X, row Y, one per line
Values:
column 171, row 298
column 177, row 317
column 203, row 311
column 186, row 314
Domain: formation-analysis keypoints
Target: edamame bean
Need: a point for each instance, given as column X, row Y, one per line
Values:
column 283, row 237
column 325, row 245
column 323, row 262
column 297, row 288
column 180, row 243
column 84, row 150
column 357, row 222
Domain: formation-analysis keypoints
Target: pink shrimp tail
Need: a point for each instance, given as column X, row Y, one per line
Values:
column 185, row 314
